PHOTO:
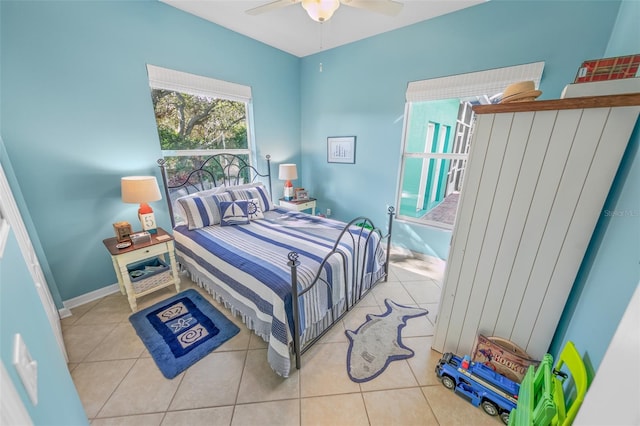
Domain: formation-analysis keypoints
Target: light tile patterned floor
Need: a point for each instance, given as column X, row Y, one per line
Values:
column 119, row 383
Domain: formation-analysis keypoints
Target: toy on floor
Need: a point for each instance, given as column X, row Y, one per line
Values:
column 479, row 384
column 549, row 396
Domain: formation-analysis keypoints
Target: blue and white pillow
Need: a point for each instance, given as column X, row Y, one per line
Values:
column 233, row 213
column 203, row 211
column 258, row 192
column 254, row 210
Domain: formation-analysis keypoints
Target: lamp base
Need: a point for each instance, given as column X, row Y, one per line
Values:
column 148, row 222
column 288, row 191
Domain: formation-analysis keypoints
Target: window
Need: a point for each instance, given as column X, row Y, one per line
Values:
column 438, row 131
column 198, row 117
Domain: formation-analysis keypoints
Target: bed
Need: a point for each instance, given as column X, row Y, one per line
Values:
column 289, row 275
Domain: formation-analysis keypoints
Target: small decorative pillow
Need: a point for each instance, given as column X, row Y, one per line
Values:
column 233, row 213
column 258, row 192
column 203, row 211
column 254, row 210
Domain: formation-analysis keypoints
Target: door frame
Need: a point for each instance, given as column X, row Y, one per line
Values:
column 11, row 214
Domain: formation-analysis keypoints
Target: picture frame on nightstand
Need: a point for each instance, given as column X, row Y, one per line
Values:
column 302, row 194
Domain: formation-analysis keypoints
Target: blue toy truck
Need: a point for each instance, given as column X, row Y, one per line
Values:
column 479, row 384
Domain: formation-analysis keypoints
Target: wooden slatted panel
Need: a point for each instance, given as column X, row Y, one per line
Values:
column 463, row 223
column 558, row 218
column 500, row 198
column 602, row 170
column 536, row 219
column 532, row 195
column 479, row 220
column 527, row 180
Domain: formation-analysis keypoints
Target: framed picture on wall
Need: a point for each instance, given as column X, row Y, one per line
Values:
column 341, row 149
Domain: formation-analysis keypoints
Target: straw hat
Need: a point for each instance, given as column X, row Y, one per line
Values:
column 523, row 91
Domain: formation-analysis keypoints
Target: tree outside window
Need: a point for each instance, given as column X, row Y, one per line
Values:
column 193, row 127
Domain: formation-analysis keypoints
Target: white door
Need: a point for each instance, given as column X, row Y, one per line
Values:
column 11, row 214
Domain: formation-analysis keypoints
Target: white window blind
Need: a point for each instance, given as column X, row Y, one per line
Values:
column 471, row 84
column 178, row 81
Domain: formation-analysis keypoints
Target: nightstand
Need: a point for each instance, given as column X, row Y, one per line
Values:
column 299, row 205
column 156, row 253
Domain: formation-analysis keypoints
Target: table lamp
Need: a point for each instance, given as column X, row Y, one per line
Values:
column 288, row 172
column 142, row 189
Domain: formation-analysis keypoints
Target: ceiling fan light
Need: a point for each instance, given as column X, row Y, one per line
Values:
column 320, row 10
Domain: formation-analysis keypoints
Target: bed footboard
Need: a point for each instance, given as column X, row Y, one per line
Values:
column 359, row 230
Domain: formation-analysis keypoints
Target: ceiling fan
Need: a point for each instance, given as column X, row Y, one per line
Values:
column 322, row 10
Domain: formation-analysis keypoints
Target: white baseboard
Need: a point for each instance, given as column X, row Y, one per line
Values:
column 86, row 298
column 64, row 312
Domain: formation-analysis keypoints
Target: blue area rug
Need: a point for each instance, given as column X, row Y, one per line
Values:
column 181, row 330
column 377, row 342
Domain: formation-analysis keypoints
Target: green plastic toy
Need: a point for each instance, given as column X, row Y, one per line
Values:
column 545, row 392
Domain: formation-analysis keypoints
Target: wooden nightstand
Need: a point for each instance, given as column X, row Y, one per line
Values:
column 160, row 247
column 299, row 205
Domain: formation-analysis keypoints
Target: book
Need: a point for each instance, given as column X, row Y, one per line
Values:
column 502, row 356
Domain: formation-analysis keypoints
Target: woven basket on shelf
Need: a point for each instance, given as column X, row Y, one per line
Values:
column 151, row 282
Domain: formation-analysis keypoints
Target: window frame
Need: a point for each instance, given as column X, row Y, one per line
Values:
column 460, row 86
column 182, row 82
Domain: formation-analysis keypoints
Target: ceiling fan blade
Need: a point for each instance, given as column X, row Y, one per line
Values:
column 270, row 6
column 386, row 7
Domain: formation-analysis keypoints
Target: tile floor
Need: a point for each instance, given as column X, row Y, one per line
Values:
column 119, row 383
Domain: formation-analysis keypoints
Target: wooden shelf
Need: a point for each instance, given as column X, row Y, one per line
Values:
column 629, row 99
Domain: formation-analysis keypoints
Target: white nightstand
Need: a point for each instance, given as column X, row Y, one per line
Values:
column 299, row 205
column 161, row 244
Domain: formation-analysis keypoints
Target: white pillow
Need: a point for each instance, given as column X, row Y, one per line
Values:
column 254, row 211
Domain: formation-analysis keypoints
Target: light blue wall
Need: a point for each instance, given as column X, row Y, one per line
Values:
column 77, row 113
column 361, row 89
column 610, row 271
column 21, row 312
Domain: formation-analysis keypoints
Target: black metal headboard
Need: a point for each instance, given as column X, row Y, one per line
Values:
column 223, row 169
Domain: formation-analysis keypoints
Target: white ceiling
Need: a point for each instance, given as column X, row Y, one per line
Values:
column 290, row 29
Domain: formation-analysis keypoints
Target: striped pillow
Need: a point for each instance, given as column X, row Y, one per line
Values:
column 258, row 192
column 203, row 211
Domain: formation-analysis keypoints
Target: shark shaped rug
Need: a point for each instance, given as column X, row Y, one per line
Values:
column 377, row 342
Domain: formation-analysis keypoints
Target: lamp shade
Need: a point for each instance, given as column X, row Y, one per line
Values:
column 320, row 10
column 288, row 172
column 140, row 189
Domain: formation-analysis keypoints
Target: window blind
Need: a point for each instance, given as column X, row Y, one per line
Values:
column 487, row 82
column 178, row 81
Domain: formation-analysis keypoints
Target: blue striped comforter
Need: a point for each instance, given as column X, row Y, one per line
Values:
column 245, row 267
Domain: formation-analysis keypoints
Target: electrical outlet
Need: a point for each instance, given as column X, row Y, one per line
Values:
column 27, row 368
column 328, row 212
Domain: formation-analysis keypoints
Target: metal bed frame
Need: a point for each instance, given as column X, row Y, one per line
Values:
column 228, row 169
